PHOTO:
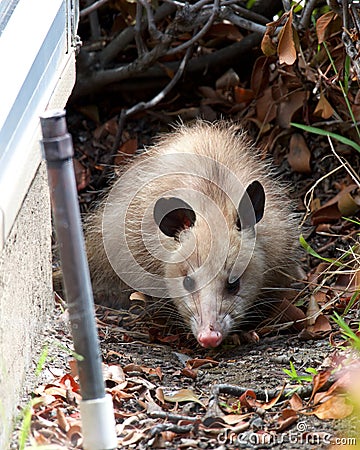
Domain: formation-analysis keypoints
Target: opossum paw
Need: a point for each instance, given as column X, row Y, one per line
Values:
column 246, row 337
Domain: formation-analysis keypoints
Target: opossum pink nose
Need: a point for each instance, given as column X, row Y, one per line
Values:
column 209, row 338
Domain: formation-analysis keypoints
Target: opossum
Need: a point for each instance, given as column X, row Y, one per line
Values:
column 198, row 218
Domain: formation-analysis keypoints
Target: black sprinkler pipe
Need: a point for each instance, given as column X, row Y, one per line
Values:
column 58, row 152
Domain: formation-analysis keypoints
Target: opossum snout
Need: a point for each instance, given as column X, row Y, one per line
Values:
column 209, row 326
column 209, row 337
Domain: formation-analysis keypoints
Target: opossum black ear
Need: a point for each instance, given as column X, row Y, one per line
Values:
column 173, row 215
column 251, row 206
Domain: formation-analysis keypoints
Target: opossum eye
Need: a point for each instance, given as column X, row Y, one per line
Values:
column 251, row 206
column 173, row 215
column 189, row 283
column 233, row 286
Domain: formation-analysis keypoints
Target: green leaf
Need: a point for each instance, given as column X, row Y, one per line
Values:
column 347, row 332
column 356, row 222
column 321, row 132
column 312, row 252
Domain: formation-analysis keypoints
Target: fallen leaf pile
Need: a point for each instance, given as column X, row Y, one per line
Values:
column 148, row 413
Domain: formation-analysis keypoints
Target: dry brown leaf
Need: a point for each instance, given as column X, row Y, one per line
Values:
column 111, row 126
column 349, row 204
column 248, row 399
column 266, row 107
column 189, row 373
column 68, row 381
column 198, row 362
column 132, row 368
column 273, row 401
column 159, row 394
column 151, row 371
column 229, row 79
column 56, row 391
column 312, row 310
column 286, row 49
column 321, row 325
column 118, row 393
column 232, row 419
column 268, row 46
column 299, row 154
column 323, row 28
column 288, row 312
column 260, row 75
column 113, row 372
column 319, row 270
column 224, row 30
column 74, row 435
column 184, row 395
column 167, row 436
column 82, row 175
column 61, row 420
column 208, row 92
column 323, row 108
column 287, row 418
column 320, row 297
column 335, row 199
column 131, row 438
column 315, row 204
column 329, row 212
column 138, row 296
column 294, row 101
column 336, row 407
column 296, row 402
column 127, row 149
column 243, row 95
column 319, row 380
column 40, row 440
column 326, row 214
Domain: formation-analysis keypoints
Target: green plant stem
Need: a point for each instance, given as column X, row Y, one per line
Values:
column 343, row 90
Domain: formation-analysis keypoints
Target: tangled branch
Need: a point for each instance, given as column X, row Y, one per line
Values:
column 153, row 47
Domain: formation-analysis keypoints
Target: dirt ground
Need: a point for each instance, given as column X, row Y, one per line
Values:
column 140, row 375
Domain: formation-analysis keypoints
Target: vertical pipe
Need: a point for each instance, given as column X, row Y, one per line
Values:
column 96, row 407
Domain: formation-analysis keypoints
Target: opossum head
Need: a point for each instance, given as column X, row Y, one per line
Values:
column 217, row 269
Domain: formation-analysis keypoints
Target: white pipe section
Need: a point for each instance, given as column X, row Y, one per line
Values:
column 98, row 424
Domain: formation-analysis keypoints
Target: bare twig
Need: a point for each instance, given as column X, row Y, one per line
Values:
column 121, row 41
column 140, row 45
column 306, row 13
column 153, row 31
column 141, row 106
column 286, row 5
column 171, row 417
column 88, row 10
column 228, row 14
column 199, row 5
column 90, row 84
column 345, row 164
column 335, row 6
column 261, row 394
column 350, row 47
column 178, row 429
column 355, row 16
column 201, row 33
column 94, row 24
column 246, row 13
